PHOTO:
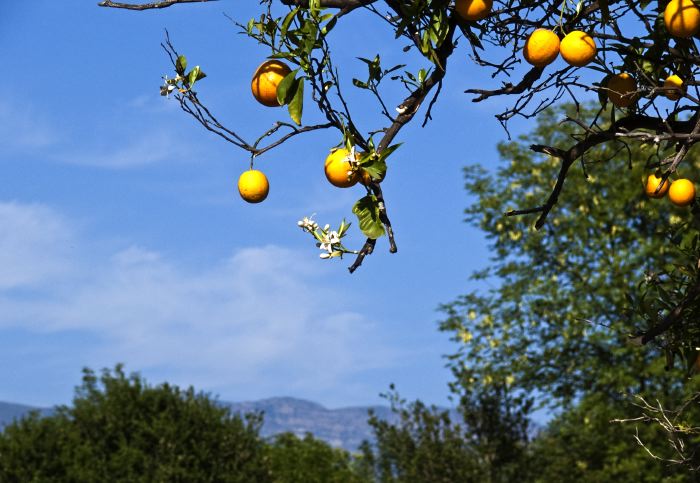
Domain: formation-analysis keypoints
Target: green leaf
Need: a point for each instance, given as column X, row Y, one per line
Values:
column 359, row 83
column 367, row 211
column 286, row 88
column 375, row 167
column 181, row 65
column 329, row 26
column 193, row 76
column 296, row 105
column 287, row 21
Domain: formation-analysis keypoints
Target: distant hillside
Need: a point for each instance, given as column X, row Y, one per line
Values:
column 9, row 412
column 345, row 427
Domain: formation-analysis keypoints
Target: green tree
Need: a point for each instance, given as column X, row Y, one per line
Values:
column 555, row 331
column 559, row 316
column 485, row 440
column 309, row 460
column 121, row 429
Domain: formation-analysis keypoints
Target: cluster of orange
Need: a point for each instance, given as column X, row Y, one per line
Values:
column 681, row 17
column 681, row 192
column 253, row 185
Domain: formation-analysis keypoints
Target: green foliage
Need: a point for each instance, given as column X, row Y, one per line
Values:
column 428, row 445
column 583, row 445
column 121, row 429
column 367, row 211
column 309, row 460
column 558, row 321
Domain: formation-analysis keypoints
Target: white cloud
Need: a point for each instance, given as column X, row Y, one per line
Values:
column 262, row 319
column 34, row 246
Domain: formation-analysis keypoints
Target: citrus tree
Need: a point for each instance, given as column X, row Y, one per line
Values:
column 639, row 56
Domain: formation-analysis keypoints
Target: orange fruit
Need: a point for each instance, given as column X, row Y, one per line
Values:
column 682, row 192
column 339, row 170
column 653, row 182
column 675, row 86
column 265, row 81
column 253, row 186
column 473, row 9
column 682, row 18
column 578, row 48
column 541, row 47
column 622, row 89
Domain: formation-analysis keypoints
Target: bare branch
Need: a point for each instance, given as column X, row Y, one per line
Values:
column 148, row 6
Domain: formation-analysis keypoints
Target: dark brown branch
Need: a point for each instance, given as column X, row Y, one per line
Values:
column 408, row 108
column 367, row 249
column 673, row 317
column 147, row 6
column 343, row 4
column 526, row 83
column 615, row 131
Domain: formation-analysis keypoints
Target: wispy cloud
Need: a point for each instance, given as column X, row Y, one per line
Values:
column 261, row 321
column 135, row 149
column 24, row 128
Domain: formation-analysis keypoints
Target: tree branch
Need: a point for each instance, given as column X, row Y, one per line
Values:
column 619, row 129
column 147, row 6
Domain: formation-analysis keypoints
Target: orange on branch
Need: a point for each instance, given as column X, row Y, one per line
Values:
column 652, row 184
column 682, row 192
column 266, row 79
column 578, row 48
column 473, row 9
column 541, row 47
column 339, row 169
column 675, row 87
column 622, row 89
column 682, row 18
column 253, row 186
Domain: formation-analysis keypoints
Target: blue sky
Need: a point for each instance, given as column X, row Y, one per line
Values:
column 124, row 240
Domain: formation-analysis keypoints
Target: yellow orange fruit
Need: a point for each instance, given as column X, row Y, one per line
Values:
column 675, row 87
column 541, row 47
column 682, row 192
column 682, row 18
column 578, row 48
column 473, row 9
column 253, row 186
column 339, row 170
column 265, row 81
column 622, row 89
column 653, row 182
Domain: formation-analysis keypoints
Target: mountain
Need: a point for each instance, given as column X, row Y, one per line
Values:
column 344, row 427
column 9, row 412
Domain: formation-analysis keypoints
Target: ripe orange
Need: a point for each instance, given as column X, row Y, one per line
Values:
column 265, row 81
column 339, row 170
column 682, row 192
column 682, row 18
column 473, row 9
column 652, row 183
column 541, row 47
column 578, row 48
column 253, row 186
column 622, row 89
column 673, row 81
